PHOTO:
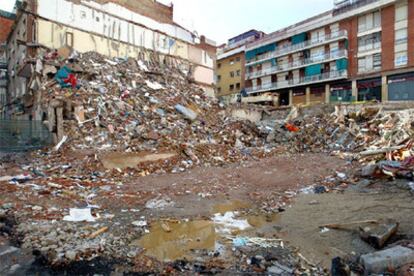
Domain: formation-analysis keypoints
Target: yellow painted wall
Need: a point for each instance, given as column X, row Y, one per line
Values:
column 181, row 49
column 224, row 72
column 53, row 36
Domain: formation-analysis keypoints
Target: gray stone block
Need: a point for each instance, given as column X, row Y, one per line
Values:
column 381, row 261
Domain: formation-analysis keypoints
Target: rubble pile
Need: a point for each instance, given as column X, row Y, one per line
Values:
column 128, row 105
column 367, row 131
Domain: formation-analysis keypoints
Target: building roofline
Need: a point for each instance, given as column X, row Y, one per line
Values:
column 315, row 22
column 252, row 30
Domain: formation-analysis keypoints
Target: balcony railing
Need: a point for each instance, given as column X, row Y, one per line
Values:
column 363, row 29
column 352, row 5
column 298, row 64
column 369, row 47
column 300, row 46
column 300, row 81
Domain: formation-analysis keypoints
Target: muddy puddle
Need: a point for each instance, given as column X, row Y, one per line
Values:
column 170, row 240
column 123, row 160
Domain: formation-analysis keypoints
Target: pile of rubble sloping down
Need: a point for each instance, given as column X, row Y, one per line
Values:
column 381, row 138
column 131, row 106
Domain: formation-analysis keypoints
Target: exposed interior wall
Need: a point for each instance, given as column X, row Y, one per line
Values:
column 5, row 28
column 17, row 54
column 149, row 8
column 53, row 35
column 111, row 20
column 203, row 75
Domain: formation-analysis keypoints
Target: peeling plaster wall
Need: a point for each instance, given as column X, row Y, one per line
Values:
column 204, row 75
column 110, row 20
column 16, row 55
column 99, row 27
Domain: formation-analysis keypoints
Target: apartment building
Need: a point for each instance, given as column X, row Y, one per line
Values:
column 361, row 50
column 142, row 29
column 230, row 65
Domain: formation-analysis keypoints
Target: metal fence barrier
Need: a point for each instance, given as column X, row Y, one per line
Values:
column 17, row 136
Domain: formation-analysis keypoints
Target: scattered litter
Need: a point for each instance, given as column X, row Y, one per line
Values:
column 159, row 203
column 140, row 223
column 64, row 139
column 227, row 222
column 79, row 215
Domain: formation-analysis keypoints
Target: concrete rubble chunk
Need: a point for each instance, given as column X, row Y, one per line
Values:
column 7, row 256
column 382, row 261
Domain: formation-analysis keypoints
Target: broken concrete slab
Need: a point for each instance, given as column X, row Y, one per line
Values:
column 383, row 261
column 378, row 235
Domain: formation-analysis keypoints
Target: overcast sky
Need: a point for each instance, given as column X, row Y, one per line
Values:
column 7, row 5
column 222, row 19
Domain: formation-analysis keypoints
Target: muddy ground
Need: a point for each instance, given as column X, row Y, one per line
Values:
column 272, row 196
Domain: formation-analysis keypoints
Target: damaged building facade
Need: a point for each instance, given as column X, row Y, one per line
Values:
column 359, row 51
column 118, row 28
column 6, row 23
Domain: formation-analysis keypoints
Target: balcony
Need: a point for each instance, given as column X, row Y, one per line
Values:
column 369, row 48
column 328, row 76
column 298, row 64
column 343, row 34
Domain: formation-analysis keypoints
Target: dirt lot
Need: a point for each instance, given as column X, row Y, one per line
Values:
column 255, row 190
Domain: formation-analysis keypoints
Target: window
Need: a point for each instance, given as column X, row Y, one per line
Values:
column 334, row 48
column 237, row 59
column 361, row 65
column 218, row 65
column 232, row 74
column 238, row 73
column 218, row 89
column 218, row 78
column 231, row 61
column 369, row 63
column 369, row 42
column 401, row 36
column 231, row 87
column 369, row 21
column 237, row 85
column 318, row 35
column 401, row 13
column 69, row 39
column 376, row 61
column 401, row 58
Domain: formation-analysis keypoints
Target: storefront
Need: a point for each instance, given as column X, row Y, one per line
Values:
column 401, row 87
column 369, row 90
column 341, row 92
column 299, row 96
column 317, row 94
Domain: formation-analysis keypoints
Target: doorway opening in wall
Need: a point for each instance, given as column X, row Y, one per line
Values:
column 284, row 98
column 69, row 39
column 369, row 90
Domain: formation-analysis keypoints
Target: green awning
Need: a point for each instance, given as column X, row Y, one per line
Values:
column 313, row 70
column 296, row 39
column 342, row 64
column 258, row 51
